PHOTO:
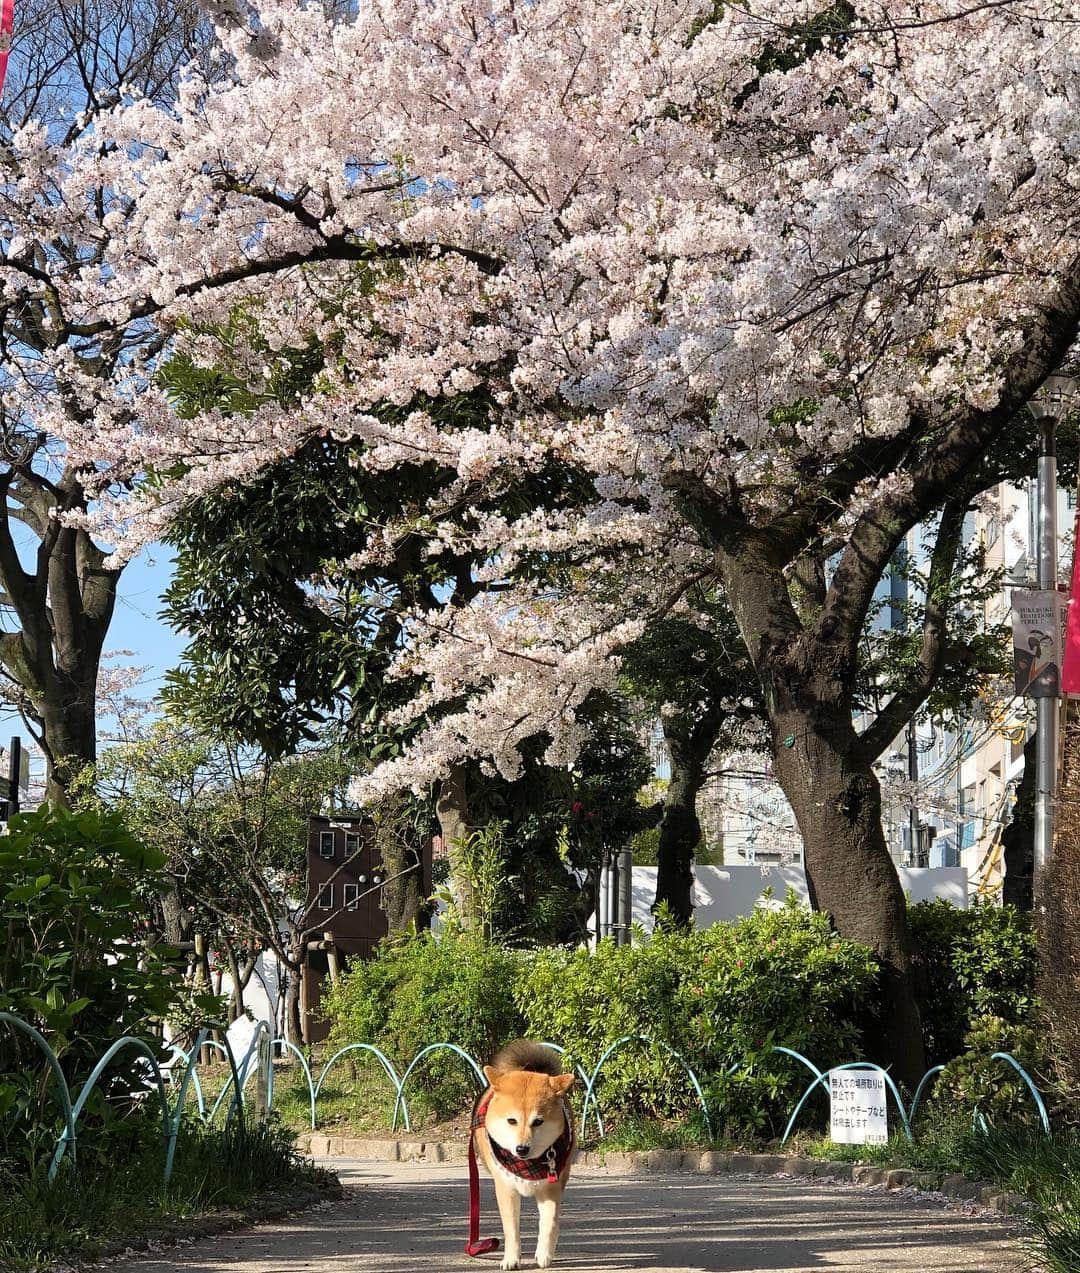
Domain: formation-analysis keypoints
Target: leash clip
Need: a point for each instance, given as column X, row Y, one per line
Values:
column 552, row 1177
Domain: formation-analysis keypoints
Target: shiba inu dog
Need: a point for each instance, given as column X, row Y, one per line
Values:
column 524, row 1133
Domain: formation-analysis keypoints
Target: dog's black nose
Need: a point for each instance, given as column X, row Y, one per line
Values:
column 522, row 1150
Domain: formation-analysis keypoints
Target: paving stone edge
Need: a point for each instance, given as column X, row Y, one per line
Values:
column 700, row 1161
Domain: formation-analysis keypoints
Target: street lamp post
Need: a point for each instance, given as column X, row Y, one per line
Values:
column 1047, row 407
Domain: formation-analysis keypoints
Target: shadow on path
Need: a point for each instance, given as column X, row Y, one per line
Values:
column 400, row 1218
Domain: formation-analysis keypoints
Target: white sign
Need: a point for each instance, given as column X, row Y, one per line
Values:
column 859, row 1115
column 1038, row 620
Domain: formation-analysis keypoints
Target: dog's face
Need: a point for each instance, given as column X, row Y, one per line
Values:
column 525, row 1115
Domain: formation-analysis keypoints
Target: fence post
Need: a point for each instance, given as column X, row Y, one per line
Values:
column 264, row 1058
column 331, row 958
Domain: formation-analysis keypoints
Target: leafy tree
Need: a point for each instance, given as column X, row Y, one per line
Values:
column 692, row 672
column 69, row 63
column 231, row 826
column 777, row 294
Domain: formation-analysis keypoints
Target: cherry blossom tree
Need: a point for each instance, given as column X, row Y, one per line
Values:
column 775, row 279
column 69, row 63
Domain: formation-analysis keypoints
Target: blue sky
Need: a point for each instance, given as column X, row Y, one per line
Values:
column 136, row 625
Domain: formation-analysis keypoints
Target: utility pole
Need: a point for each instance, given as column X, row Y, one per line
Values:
column 1048, row 406
column 913, row 808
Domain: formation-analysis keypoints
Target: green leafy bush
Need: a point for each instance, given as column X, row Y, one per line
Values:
column 970, row 964
column 420, row 991
column 73, row 964
column 994, row 1089
column 721, row 997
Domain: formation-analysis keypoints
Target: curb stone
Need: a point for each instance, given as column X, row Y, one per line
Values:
column 699, row 1161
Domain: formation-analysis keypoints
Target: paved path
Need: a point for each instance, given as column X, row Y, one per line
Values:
column 409, row 1218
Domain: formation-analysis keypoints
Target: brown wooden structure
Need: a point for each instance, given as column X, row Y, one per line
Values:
column 344, row 904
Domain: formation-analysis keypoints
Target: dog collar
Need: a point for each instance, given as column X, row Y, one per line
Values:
column 548, row 1166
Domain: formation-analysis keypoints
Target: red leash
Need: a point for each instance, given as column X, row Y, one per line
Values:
column 476, row 1245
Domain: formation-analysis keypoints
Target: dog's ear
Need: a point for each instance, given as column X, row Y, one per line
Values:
column 492, row 1076
column 561, row 1083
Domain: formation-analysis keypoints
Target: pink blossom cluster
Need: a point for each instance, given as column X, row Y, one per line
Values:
column 667, row 236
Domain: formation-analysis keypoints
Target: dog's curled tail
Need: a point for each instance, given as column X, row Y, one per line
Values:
column 524, row 1054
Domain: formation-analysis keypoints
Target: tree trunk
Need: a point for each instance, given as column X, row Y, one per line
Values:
column 403, row 896
column 68, row 734
column 452, row 809
column 836, row 799
column 1058, row 920
column 294, row 1026
column 1018, row 838
column 680, row 830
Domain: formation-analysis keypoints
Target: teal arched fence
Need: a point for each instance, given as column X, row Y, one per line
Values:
column 163, row 1079
column 907, row 1116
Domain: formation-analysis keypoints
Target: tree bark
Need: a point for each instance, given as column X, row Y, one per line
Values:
column 826, row 772
column 836, row 800
column 63, row 606
column 452, row 810
column 1018, row 838
column 294, row 1026
column 680, row 830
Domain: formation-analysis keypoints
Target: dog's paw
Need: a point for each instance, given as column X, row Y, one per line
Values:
column 510, row 1262
column 544, row 1261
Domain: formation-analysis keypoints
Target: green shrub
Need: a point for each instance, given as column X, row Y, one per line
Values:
column 721, row 997
column 975, row 1083
column 416, row 992
column 970, row 964
column 74, row 964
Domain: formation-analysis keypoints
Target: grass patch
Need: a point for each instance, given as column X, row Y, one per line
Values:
column 652, row 1133
column 103, row 1201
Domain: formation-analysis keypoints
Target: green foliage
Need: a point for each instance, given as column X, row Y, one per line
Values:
column 75, row 963
column 479, row 863
column 721, row 996
column 230, row 825
column 976, row 651
column 993, row 1089
column 971, row 963
column 458, row 990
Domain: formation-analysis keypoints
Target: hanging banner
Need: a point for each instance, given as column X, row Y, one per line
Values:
column 7, row 22
column 1070, row 664
column 1039, row 620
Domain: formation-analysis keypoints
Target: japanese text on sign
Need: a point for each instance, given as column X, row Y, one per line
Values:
column 858, row 1111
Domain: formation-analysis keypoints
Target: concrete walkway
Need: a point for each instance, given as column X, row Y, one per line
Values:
column 410, row 1217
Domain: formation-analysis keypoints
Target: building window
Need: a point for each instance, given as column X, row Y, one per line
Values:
column 352, row 843
column 326, row 897
column 326, row 844
column 351, row 896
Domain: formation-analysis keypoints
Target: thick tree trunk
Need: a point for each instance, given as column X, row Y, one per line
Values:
column 452, row 809
column 680, row 830
column 836, row 799
column 403, row 896
column 69, row 735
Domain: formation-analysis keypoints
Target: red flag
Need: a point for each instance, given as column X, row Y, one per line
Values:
column 1070, row 664
column 7, row 20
